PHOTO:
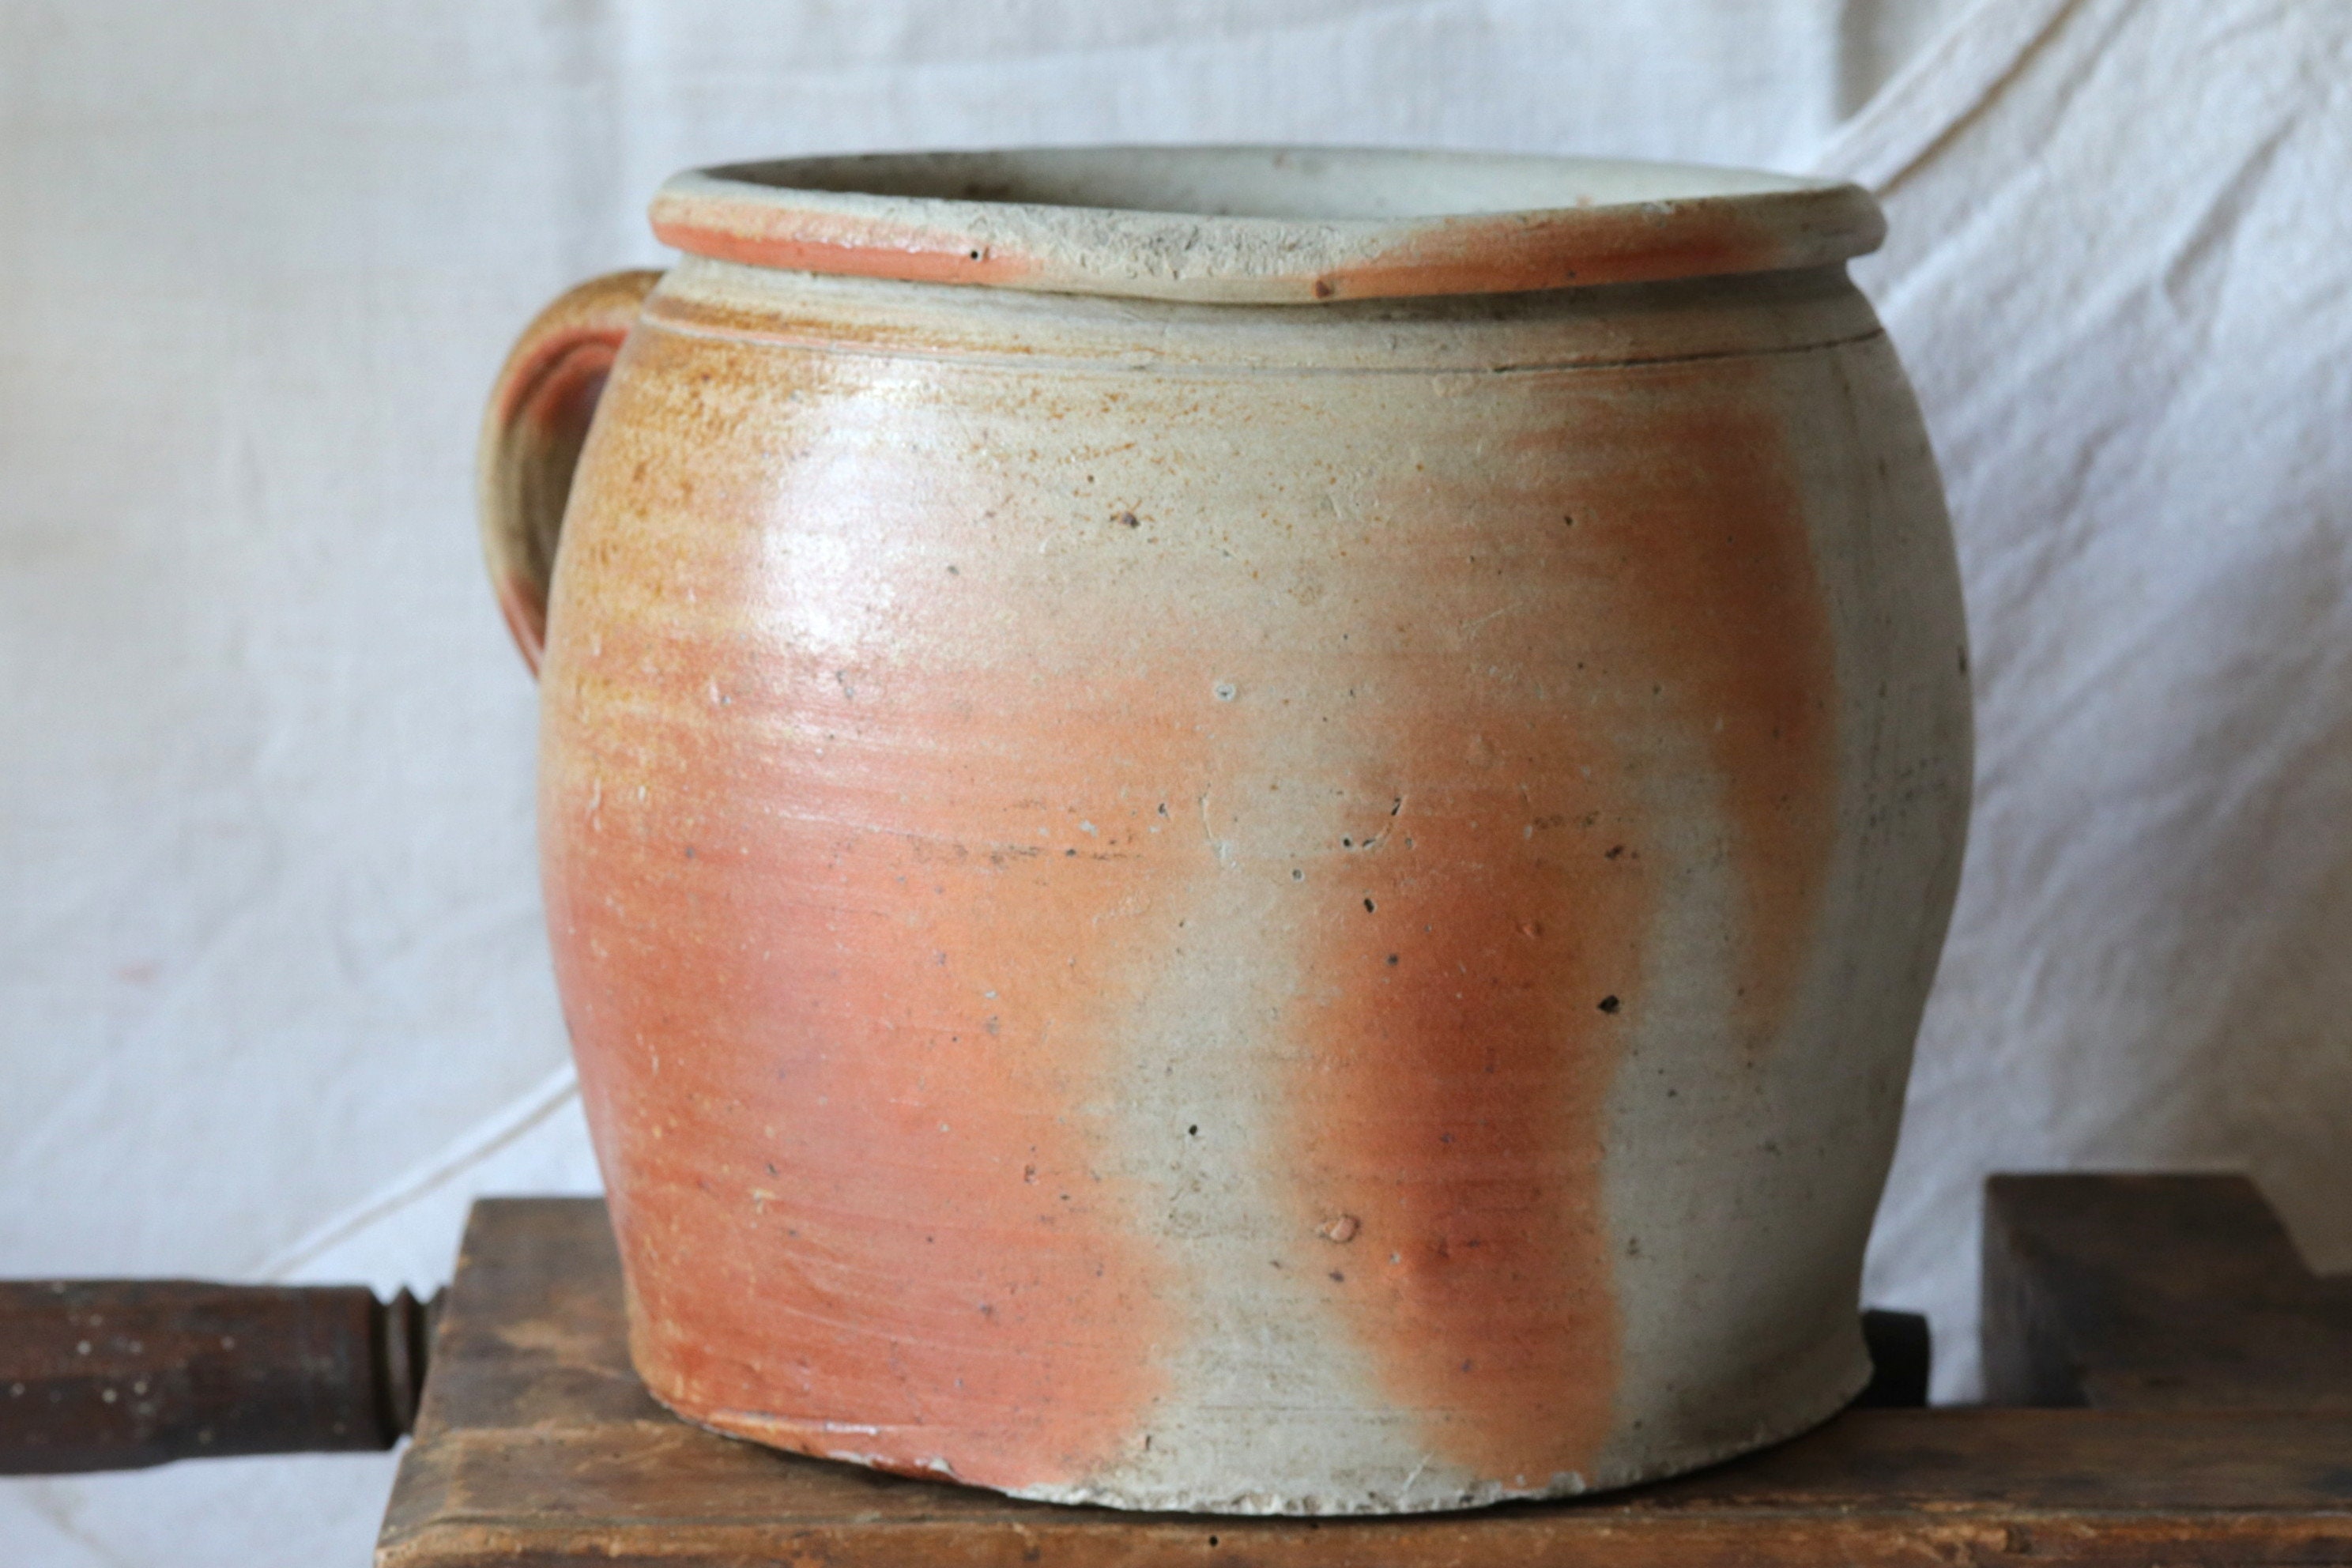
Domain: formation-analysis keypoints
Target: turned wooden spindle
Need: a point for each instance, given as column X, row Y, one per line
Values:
column 115, row 1374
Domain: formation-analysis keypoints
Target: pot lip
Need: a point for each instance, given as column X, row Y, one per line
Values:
column 1261, row 225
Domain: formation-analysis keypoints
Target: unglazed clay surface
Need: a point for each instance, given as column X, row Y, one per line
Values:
column 1261, row 225
column 1311, row 908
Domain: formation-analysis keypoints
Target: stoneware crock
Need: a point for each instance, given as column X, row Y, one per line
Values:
column 1239, row 830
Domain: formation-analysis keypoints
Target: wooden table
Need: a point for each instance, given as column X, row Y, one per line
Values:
column 538, row 1446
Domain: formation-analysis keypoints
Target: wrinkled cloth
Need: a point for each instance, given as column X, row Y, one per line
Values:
column 269, row 944
column 2122, row 281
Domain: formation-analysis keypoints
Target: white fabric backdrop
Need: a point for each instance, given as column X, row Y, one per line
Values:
column 270, row 955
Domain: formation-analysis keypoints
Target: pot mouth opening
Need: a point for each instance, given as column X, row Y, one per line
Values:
column 1260, row 224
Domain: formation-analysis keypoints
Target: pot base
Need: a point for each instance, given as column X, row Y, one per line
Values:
column 1409, row 1494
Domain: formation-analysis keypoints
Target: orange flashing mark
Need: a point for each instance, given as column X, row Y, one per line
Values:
column 924, row 259
column 1487, row 969
column 1450, row 1101
column 1516, row 255
column 1735, row 616
column 846, row 1036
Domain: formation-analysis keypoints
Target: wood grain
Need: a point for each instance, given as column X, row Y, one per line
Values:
column 2155, row 1293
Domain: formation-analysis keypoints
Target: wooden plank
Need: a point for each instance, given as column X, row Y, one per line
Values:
column 536, row 1447
column 2155, row 1293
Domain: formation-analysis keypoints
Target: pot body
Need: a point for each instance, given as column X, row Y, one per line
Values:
column 1290, row 909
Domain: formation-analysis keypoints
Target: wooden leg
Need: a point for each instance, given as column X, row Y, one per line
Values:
column 2171, row 1292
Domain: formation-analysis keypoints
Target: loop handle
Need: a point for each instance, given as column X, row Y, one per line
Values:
column 538, row 422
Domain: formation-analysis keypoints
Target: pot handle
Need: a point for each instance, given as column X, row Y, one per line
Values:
column 537, row 421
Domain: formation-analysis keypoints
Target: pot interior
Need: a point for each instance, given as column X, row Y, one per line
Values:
column 1260, row 224
column 1280, row 182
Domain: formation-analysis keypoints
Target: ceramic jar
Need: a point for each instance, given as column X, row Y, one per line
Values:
column 1239, row 830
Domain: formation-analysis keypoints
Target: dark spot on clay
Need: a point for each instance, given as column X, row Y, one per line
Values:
column 1339, row 1277
column 1610, row 1004
column 690, row 851
column 1368, row 906
column 1346, row 844
column 1296, row 875
column 1325, row 288
column 953, row 571
column 1567, row 519
column 1128, row 520
column 1193, row 1130
column 1393, row 958
column 772, row 1167
column 1614, row 850
column 1164, row 808
column 975, row 256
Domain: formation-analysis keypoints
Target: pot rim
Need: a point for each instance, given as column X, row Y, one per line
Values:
column 1261, row 225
